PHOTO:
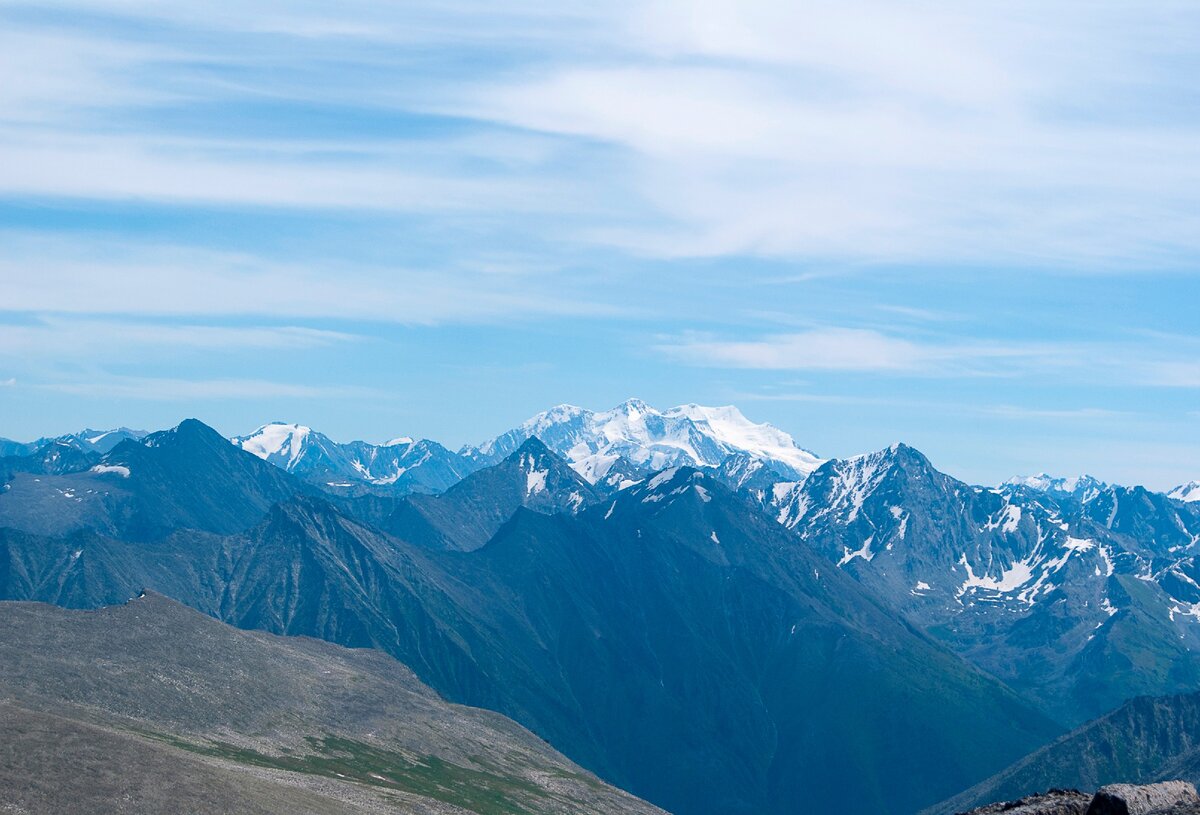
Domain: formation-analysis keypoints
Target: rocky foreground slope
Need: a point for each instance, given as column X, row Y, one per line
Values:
column 146, row 706
column 1164, row 798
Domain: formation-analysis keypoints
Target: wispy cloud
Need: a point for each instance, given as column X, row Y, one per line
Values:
column 80, row 338
column 108, row 276
column 864, row 350
column 171, row 390
column 978, row 133
column 1003, row 411
column 1172, row 374
column 1133, row 361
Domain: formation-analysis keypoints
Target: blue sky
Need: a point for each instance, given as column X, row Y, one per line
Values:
column 972, row 228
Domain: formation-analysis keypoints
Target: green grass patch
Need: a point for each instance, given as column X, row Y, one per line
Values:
column 482, row 791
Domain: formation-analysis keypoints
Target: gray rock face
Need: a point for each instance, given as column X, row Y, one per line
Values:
column 1054, row 802
column 1130, row 799
column 1164, row 798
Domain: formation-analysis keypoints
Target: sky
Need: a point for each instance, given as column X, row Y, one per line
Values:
column 972, row 227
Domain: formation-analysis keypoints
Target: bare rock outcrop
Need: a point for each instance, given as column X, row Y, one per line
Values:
column 1148, row 799
column 1054, row 802
column 1164, row 798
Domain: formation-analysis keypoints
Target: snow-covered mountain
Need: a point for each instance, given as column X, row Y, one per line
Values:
column 402, row 464
column 90, row 441
column 1080, row 486
column 1189, row 492
column 634, row 433
column 1033, row 582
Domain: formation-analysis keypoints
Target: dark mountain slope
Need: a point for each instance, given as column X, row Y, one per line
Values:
column 188, row 477
column 671, row 638
column 714, row 665
column 466, row 516
column 1147, row 739
column 300, row 710
column 53, row 458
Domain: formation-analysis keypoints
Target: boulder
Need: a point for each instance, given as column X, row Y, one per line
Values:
column 1054, row 802
column 1148, row 799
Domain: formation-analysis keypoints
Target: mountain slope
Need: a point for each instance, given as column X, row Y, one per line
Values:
column 646, row 438
column 467, row 515
column 712, row 664
column 168, row 690
column 186, row 477
column 1082, row 599
column 1189, row 492
column 1146, row 739
column 671, row 639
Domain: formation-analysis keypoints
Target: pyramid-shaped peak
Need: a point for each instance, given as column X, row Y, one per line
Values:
column 188, row 431
column 532, row 446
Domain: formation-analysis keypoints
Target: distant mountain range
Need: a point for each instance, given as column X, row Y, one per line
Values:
column 1079, row 598
column 672, row 638
column 684, row 602
column 609, row 449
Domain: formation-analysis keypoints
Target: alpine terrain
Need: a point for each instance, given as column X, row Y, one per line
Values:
column 684, row 603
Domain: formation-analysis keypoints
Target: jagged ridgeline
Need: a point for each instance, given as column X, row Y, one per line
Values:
column 683, row 602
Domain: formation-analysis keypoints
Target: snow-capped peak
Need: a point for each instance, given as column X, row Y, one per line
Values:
column 650, row 439
column 1043, row 482
column 1189, row 492
column 314, row 456
column 278, row 442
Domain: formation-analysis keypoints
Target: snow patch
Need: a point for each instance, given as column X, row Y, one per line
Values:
column 865, row 552
column 535, row 482
column 117, row 469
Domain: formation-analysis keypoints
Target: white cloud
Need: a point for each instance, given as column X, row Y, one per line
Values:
column 169, row 390
column 82, row 338
column 111, row 277
column 1143, row 359
column 864, row 350
column 1017, row 133
column 1172, row 373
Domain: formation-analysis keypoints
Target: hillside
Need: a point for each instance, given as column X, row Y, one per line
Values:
column 155, row 702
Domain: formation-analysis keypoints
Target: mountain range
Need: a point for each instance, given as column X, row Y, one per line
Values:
column 673, row 638
column 1078, row 599
column 684, row 602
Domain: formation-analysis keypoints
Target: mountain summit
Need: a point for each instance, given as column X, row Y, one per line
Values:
column 635, row 433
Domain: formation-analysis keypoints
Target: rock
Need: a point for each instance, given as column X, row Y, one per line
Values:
column 1054, row 802
column 1131, row 799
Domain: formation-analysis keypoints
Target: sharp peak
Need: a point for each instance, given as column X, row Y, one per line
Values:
column 536, row 447
column 188, row 428
column 897, row 451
